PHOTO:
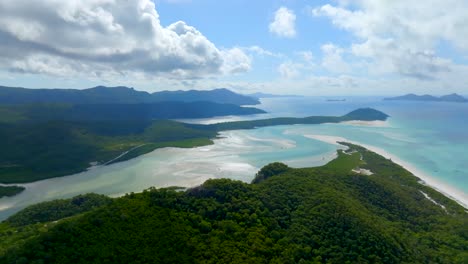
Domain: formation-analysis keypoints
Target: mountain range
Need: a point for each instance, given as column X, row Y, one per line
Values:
column 429, row 98
column 118, row 95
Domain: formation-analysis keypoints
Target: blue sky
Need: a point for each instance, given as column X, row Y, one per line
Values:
column 345, row 47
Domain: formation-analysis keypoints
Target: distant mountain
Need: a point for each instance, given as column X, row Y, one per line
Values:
column 96, row 95
column 118, row 95
column 141, row 111
column 429, row 98
column 453, row 98
column 266, row 95
column 222, row 95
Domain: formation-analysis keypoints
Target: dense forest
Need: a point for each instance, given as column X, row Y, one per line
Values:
column 327, row 214
column 10, row 190
column 33, row 151
column 35, row 113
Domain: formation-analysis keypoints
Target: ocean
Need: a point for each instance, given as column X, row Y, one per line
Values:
column 431, row 137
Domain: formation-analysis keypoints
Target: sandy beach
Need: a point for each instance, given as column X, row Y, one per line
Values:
column 376, row 123
column 457, row 195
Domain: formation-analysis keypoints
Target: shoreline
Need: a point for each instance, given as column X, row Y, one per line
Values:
column 458, row 196
column 375, row 123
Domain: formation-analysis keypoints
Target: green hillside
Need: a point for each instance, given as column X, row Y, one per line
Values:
column 35, row 151
column 327, row 214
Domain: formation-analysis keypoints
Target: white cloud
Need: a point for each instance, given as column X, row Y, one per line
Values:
column 307, row 56
column 402, row 36
column 388, row 57
column 106, row 37
column 415, row 23
column 332, row 59
column 262, row 52
column 236, row 61
column 289, row 70
column 284, row 23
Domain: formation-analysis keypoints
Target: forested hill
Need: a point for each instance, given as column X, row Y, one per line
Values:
column 328, row 214
column 107, row 112
column 118, row 95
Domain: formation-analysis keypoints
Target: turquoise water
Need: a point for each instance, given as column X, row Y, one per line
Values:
column 430, row 136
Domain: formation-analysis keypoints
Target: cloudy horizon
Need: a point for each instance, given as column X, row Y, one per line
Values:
column 341, row 47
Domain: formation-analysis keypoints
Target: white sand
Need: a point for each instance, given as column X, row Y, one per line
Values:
column 376, row 123
column 438, row 185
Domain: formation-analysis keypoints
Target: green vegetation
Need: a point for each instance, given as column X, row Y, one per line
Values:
column 272, row 169
column 37, row 219
column 326, row 214
column 107, row 112
column 365, row 114
column 34, row 151
column 58, row 209
column 10, row 190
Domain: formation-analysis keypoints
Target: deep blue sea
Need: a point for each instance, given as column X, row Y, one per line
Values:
column 431, row 137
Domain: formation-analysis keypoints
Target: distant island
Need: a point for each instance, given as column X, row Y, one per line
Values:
column 429, row 98
column 336, row 100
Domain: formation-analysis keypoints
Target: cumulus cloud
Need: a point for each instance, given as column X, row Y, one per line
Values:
column 333, row 60
column 387, row 57
column 236, row 61
column 284, row 23
column 289, row 70
column 106, row 37
column 402, row 36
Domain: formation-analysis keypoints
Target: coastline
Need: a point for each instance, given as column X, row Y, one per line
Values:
column 452, row 193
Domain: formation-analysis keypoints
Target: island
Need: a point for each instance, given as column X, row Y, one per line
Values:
column 429, row 98
column 335, row 213
column 7, row 191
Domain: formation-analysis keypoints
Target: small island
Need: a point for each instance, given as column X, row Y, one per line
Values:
column 429, row 98
column 8, row 191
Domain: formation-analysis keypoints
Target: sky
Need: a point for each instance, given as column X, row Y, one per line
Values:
column 315, row 47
